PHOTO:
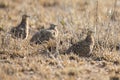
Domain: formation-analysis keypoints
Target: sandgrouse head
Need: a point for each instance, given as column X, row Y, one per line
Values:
column 25, row 16
column 52, row 26
column 90, row 32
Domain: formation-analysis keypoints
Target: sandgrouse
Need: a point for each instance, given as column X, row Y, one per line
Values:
column 21, row 31
column 45, row 35
column 84, row 47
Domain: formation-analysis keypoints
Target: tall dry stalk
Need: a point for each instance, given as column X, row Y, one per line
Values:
column 96, row 22
column 113, row 13
column 112, row 18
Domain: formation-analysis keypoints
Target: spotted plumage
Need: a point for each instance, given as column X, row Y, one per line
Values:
column 84, row 47
column 21, row 31
column 45, row 35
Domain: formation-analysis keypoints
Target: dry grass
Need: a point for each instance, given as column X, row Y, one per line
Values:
column 20, row 61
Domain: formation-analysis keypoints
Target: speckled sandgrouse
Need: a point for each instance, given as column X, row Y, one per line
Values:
column 45, row 35
column 84, row 47
column 21, row 30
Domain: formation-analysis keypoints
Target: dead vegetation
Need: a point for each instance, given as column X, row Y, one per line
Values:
column 20, row 60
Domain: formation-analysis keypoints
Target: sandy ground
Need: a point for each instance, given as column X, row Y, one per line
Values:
column 21, row 61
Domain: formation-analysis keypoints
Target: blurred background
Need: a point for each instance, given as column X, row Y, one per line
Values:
column 19, row 60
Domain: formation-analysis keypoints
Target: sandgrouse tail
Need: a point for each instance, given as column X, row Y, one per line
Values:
column 84, row 47
column 45, row 35
column 21, row 31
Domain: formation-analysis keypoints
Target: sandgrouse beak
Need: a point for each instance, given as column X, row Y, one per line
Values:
column 25, row 16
